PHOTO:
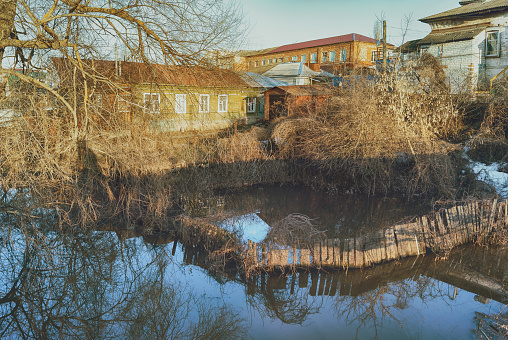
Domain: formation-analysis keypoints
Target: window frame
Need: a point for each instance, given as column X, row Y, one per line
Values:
column 207, row 110
column 251, row 104
column 294, row 58
column 178, row 107
column 343, row 55
column 219, row 102
column 332, row 56
column 151, row 108
column 313, row 58
column 324, row 56
column 303, row 58
column 498, row 43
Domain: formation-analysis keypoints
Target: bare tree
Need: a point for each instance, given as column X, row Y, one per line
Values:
column 168, row 32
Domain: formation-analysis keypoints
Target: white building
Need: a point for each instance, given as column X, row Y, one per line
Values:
column 471, row 41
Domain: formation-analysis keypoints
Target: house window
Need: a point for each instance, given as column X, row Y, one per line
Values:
column 313, row 57
column 294, row 58
column 274, row 60
column 304, row 58
column 493, row 42
column 181, row 103
column 343, row 55
column 263, row 62
column 281, row 60
column 332, row 56
column 256, row 63
column 424, row 49
column 223, row 103
column 122, row 103
column 324, row 56
column 440, row 51
column 151, row 102
column 374, row 56
column 251, row 104
column 204, row 103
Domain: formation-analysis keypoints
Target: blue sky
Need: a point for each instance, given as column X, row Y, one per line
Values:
column 278, row 22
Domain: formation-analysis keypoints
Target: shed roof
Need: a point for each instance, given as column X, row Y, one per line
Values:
column 291, row 70
column 258, row 80
column 409, row 46
column 471, row 9
column 141, row 73
column 437, row 37
column 307, row 90
column 325, row 41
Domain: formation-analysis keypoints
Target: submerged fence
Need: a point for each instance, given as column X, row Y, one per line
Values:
column 467, row 222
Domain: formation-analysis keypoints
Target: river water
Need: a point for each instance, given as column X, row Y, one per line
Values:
column 116, row 284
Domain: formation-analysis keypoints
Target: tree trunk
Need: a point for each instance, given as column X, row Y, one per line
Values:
column 7, row 14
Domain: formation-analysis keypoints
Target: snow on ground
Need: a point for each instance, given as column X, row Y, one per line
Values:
column 490, row 174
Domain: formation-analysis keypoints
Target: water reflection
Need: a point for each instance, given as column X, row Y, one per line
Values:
column 104, row 285
column 93, row 285
column 338, row 215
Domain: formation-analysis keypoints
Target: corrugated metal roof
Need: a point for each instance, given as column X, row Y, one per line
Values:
column 449, row 36
column 325, row 41
column 258, row 80
column 290, row 70
column 471, row 9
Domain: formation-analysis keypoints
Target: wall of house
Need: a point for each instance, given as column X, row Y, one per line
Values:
column 356, row 53
column 461, row 63
column 465, row 62
column 167, row 117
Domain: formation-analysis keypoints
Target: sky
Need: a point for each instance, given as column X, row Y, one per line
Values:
column 274, row 23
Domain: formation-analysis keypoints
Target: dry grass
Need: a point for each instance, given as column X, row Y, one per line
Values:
column 381, row 136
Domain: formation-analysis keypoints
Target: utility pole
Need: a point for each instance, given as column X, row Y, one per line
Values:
column 384, row 46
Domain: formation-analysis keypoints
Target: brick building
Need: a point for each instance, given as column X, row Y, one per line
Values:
column 333, row 54
column 471, row 43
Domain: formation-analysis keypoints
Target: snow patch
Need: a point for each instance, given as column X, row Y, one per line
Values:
column 253, row 228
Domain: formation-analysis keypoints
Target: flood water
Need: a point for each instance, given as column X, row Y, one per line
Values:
column 115, row 284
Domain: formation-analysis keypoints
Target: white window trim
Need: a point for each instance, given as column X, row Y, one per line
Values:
column 151, row 110
column 332, row 56
column 313, row 60
column 251, row 104
column 343, row 53
column 179, row 109
column 207, row 110
column 498, row 50
column 122, row 99
column 225, row 108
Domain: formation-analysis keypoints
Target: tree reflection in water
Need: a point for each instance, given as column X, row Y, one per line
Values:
column 56, row 284
column 373, row 299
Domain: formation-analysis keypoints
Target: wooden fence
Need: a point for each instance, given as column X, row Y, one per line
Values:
column 437, row 232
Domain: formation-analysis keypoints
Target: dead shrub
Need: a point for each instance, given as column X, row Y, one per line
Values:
column 377, row 132
column 295, row 229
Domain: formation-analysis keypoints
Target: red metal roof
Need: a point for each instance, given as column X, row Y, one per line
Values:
column 322, row 42
column 141, row 73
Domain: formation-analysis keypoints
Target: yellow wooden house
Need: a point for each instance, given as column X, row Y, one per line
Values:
column 172, row 98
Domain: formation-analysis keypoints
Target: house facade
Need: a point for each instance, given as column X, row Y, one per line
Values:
column 471, row 41
column 296, row 100
column 164, row 98
column 335, row 53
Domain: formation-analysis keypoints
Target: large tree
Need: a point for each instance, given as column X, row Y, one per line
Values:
column 175, row 32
